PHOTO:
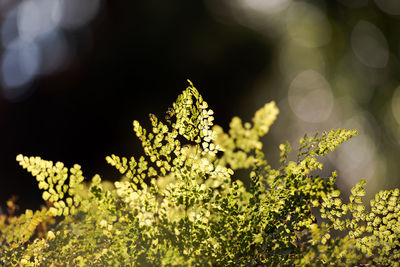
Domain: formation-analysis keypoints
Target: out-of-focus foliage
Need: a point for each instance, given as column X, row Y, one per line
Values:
column 335, row 65
column 180, row 203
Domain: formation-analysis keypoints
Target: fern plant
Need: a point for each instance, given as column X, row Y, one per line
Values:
column 180, row 204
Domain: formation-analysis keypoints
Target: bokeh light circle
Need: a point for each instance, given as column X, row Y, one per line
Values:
column 310, row 97
column 9, row 29
column 396, row 105
column 307, row 25
column 370, row 45
column 294, row 59
column 20, row 64
column 391, row 7
column 54, row 51
column 77, row 13
column 266, row 7
column 37, row 17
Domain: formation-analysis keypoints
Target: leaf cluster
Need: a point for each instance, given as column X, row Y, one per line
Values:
column 181, row 204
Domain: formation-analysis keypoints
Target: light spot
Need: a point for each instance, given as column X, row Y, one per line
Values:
column 391, row 7
column 294, row 59
column 19, row 65
column 396, row 105
column 77, row 13
column 54, row 51
column 32, row 34
column 5, row 6
column 9, row 30
column 356, row 158
column 266, row 7
column 307, row 25
column 369, row 45
column 310, row 97
column 391, row 122
column 37, row 17
column 354, row 79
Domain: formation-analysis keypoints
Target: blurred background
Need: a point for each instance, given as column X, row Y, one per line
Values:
column 74, row 74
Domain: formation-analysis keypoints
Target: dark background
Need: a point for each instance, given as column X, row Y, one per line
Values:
column 133, row 58
column 136, row 62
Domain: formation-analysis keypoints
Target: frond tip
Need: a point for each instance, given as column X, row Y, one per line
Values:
column 52, row 178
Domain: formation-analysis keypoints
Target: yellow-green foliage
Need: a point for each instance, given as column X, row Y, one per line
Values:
column 181, row 204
